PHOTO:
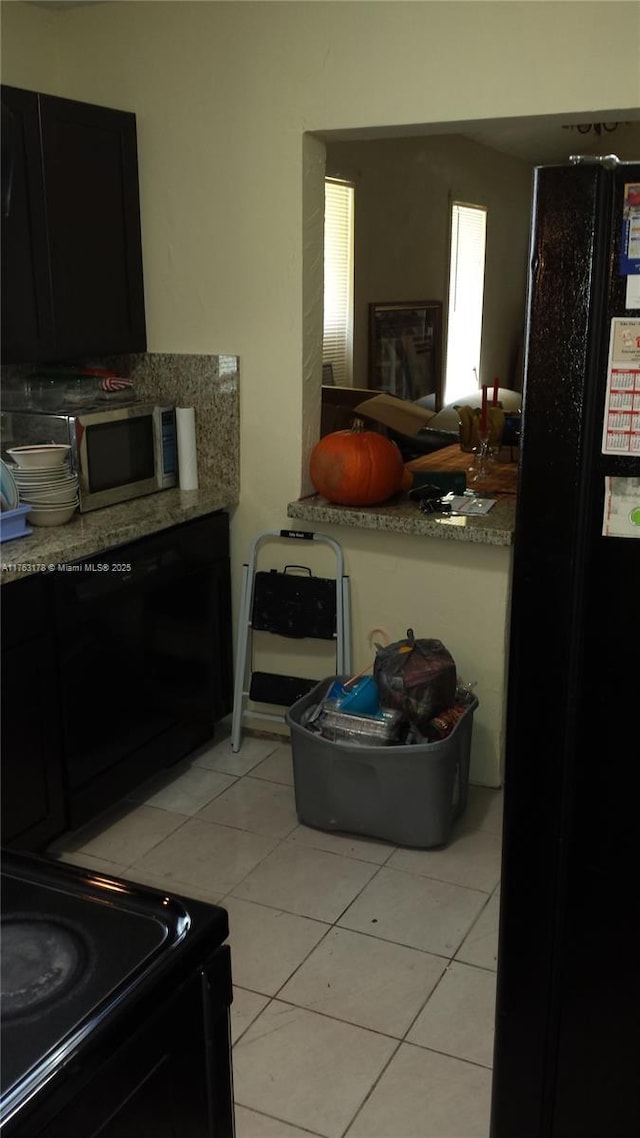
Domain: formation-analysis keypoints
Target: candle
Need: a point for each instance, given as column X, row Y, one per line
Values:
column 496, row 388
column 483, row 415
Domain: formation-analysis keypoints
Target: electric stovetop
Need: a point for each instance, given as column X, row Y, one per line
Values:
column 74, row 946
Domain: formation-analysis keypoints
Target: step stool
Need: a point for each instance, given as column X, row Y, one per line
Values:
column 291, row 604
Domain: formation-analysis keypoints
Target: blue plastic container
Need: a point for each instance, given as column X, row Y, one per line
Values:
column 362, row 698
column 13, row 523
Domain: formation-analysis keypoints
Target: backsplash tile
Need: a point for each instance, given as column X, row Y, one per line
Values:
column 210, row 385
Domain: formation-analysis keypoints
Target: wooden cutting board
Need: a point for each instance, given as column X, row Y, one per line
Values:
column 503, row 473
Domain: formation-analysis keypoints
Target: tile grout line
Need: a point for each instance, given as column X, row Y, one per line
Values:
column 287, row 842
column 274, row 1118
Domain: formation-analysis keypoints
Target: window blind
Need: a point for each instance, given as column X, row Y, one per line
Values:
column 466, row 297
column 338, row 279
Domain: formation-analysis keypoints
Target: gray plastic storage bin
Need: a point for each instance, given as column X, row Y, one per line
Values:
column 408, row 795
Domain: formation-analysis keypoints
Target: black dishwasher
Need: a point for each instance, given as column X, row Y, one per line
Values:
column 144, row 650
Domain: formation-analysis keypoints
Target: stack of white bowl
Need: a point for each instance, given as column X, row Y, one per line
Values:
column 45, row 482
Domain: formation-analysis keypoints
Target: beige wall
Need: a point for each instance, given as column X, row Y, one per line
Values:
column 403, row 190
column 224, row 94
column 28, row 47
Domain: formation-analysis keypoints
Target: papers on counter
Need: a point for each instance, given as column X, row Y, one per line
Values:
column 463, row 504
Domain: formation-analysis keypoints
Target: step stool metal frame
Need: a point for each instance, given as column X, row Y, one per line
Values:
column 342, row 634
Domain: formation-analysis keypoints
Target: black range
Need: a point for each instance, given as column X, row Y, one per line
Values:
column 115, row 1008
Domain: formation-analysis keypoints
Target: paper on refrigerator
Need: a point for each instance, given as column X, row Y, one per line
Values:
column 621, row 426
column 632, row 298
column 621, row 507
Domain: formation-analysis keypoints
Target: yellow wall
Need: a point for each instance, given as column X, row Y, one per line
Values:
column 28, row 46
column 224, row 93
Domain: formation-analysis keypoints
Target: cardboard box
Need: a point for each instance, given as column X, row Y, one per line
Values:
column 399, row 414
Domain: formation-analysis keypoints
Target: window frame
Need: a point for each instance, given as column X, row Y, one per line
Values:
column 453, row 389
column 339, row 259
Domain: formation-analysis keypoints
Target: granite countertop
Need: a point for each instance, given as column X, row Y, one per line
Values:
column 91, row 533
column 401, row 515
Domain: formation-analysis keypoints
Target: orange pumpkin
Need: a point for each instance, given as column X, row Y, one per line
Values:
column 356, row 467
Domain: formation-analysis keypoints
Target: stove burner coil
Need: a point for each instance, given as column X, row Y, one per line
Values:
column 41, row 961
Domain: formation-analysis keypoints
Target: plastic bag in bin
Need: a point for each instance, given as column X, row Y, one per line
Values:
column 416, row 677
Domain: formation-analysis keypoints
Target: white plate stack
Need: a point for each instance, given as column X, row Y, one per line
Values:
column 46, row 483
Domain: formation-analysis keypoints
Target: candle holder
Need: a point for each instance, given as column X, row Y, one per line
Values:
column 470, row 422
column 471, row 431
column 495, row 429
column 482, row 464
column 468, row 419
column 483, row 450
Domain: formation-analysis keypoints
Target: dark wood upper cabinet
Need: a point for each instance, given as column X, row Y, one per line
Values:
column 27, row 316
column 72, row 283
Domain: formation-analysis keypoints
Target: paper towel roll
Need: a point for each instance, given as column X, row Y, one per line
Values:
column 187, row 454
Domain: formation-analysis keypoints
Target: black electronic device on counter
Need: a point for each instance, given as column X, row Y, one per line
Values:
column 115, row 1017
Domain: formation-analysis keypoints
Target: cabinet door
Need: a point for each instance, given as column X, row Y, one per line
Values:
column 91, row 189
column 27, row 318
column 32, row 792
column 223, row 657
column 151, row 640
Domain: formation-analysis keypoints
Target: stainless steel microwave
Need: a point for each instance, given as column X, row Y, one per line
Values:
column 118, row 453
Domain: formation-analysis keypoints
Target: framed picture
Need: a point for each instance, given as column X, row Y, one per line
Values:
column 405, row 349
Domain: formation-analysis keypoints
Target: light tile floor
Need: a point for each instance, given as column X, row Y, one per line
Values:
column 364, row 974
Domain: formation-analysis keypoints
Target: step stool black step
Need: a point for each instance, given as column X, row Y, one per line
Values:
column 268, row 687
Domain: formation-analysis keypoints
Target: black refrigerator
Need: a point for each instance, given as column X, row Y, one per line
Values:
column 567, row 1050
